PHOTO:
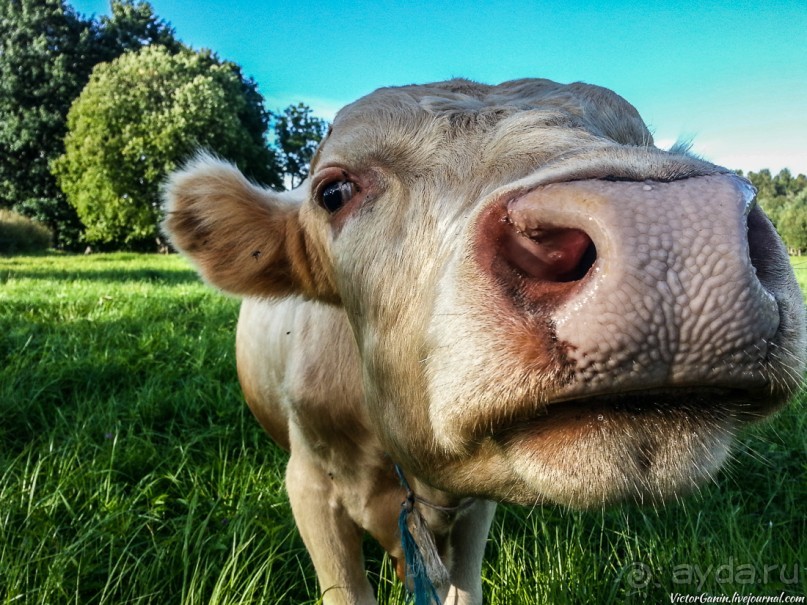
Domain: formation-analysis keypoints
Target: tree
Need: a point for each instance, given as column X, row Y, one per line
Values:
column 793, row 228
column 774, row 206
column 297, row 134
column 47, row 52
column 763, row 181
column 45, row 59
column 137, row 119
column 131, row 26
column 776, row 194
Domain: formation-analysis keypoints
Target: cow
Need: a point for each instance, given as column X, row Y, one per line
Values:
column 491, row 293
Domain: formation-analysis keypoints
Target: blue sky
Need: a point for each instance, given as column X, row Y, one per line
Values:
column 731, row 76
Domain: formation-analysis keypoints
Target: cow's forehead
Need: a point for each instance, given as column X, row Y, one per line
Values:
column 444, row 117
column 464, row 96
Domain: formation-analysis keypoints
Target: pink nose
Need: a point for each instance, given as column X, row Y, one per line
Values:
column 645, row 283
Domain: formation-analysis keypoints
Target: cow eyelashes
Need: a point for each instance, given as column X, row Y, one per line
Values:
column 335, row 195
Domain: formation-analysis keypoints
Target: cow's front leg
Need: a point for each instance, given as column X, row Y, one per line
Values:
column 468, row 539
column 332, row 538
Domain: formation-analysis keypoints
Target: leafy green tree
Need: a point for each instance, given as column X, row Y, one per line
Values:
column 297, row 134
column 775, row 194
column 45, row 59
column 774, row 206
column 137, row 119
column 47, row 52
column 763, row 181
column 131, row 26
column 793, row 228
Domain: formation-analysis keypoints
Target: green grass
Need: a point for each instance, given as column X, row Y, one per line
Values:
column 132, row 472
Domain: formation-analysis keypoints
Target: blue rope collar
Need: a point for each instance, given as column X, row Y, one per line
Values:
column 424, row 567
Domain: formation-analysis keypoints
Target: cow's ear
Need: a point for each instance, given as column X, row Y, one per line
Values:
column 244, row 239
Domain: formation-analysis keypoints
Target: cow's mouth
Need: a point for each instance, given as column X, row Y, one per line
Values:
column 644, row 445
column 582, row 415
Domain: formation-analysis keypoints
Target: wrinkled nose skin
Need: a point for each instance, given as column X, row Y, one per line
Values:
column 662, row 293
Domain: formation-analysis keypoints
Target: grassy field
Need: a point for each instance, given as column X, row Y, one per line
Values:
column 131, row 471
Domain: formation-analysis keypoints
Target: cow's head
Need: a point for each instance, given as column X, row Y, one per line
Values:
column 546, row 305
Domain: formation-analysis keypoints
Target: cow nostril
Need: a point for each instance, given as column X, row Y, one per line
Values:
column 585, row 264
column 763, row 244
column 553, row 254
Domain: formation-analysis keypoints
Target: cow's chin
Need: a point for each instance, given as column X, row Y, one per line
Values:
column 644, row 447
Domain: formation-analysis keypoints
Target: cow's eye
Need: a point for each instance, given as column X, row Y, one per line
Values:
column 335, row 195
